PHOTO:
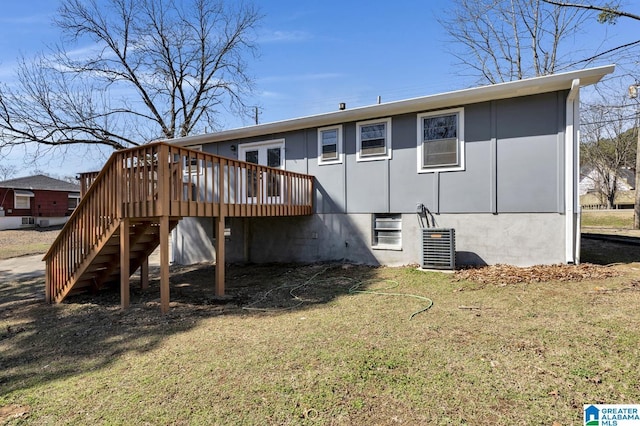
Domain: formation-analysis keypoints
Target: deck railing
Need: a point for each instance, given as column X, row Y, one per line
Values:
column 165, row 180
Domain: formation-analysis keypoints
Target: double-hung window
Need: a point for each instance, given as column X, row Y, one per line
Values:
column 441, row 140
column 373, row 139
column 74, row 200
column 193, row 166
column 330, row 145
column 22, row 199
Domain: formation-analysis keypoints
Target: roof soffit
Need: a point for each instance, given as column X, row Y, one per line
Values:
column 532, row 86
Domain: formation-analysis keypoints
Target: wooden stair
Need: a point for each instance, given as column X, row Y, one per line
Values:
column 128, row 209
column 101, row 269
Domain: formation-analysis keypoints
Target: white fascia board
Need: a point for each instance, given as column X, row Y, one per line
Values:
column 511, row 89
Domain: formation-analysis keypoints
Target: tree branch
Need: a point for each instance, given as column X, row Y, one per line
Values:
column 606, row 10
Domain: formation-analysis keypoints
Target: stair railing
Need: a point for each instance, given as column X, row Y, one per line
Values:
column 97, row 212
column 160, row 179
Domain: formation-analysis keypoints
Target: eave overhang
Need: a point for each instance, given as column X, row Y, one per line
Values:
column 511, row 89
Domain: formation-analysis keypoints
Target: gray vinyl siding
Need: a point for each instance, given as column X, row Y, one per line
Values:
column 296, row 154
column 530, row 155
column 468, row 191
column 407, row 187
column 367, row 182
column 330, row 196
column 514, row 163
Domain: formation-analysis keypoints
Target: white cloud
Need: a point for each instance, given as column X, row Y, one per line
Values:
column 25, row 20
column 271, row 94
column 301, row 77
column 280, row 36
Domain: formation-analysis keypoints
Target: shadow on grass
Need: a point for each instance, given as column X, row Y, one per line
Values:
column 603, row 252
column 43, row 343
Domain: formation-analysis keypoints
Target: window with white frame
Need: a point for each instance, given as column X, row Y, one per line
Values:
column 387, row 231
column 441, row 140
column 191, row 164
column 74, row 200
column 373, row 139
column 22, row 199
column 330, row 145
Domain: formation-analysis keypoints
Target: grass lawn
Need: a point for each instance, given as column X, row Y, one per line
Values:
column 22, row 242
column 308, row 352
column 618, row 219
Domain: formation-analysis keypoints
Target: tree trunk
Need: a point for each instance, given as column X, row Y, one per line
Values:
column 636, row 207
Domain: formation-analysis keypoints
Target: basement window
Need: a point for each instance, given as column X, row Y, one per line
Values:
column 387, row 231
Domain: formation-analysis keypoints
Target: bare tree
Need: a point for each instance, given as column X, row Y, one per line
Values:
column 504, row 40
column 7, row 171
column 608, row 146
column 609, row 13
column 130, row 71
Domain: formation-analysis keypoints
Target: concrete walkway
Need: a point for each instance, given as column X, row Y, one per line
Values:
column 28, row 267
column 20, row 268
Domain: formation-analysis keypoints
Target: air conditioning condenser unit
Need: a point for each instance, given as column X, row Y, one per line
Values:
column 438, row 248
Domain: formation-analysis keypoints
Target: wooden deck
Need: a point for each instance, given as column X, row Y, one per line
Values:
column 129, row 208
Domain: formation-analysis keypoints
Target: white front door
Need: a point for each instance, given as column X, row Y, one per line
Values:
column 271, row 154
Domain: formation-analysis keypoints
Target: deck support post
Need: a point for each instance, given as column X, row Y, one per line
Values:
column 164, row 264
column 124, row 263
column 47, row 282
column 219, row 225
column 144, row 274
column 247, row 239
column 141, row 187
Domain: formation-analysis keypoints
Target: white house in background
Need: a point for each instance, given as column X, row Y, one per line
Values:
column 589, row 180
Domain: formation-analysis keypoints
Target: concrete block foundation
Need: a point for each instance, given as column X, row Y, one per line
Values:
column 520, row 239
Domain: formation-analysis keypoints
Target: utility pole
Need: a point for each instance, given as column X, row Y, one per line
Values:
column 633, row 94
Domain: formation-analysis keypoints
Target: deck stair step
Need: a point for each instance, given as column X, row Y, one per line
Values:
column 144, row 192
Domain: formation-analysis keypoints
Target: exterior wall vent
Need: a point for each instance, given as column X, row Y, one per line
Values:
column 438, row 248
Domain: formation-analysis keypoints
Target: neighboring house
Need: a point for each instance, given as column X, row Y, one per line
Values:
column 499, row 164
column 590, row 180
column 592, row 198
column 36, row 201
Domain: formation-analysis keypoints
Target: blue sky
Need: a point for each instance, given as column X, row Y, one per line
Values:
column 313, row 55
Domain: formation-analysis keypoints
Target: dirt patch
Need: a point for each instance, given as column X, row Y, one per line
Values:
column 248, row 288
column 505, row 274
column 13, row 411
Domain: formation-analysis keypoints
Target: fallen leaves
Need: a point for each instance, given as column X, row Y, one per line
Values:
column 507, row 274
column 13, row 411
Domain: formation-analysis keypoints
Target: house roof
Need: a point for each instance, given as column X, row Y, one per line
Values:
column 530, row 86
column 40, row 182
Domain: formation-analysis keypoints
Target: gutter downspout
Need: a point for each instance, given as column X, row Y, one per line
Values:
column 572, row 166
